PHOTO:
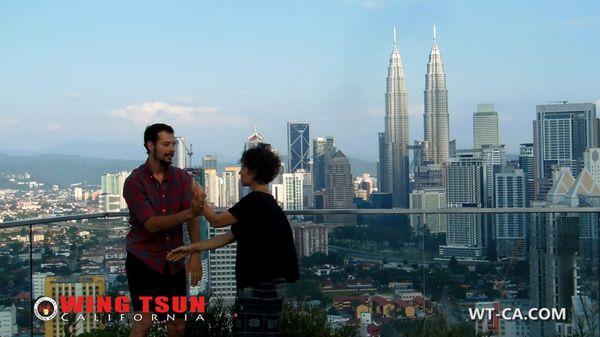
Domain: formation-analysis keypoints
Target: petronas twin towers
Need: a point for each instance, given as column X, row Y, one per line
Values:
column 393, row 148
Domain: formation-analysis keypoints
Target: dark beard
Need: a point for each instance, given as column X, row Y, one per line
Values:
column 165, row 163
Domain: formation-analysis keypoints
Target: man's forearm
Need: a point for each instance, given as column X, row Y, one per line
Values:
column 159, row 223
column 193, row 226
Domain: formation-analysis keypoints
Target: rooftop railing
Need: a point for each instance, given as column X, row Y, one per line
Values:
column 395, row 254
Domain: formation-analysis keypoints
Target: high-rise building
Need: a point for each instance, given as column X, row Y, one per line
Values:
column 293, row 187
column 111, row 197
column 212, row 186
column 254, row 139
column 180, row 153
column 394, row 155
column 511, row 228
column 323, row 149
column 298, row 141
column 209, row 162
column 435, row 119
column 527, row 164
column 339, row 193
column 231, row 181
column 563, row 255
column 39, row 281
column 222, row 268
column 428, row 199
column 76, row 285
column 494, row 159
column 485, row 126
column 310, row 238
column 562, row 133
column 464, row 181
column 8, row 321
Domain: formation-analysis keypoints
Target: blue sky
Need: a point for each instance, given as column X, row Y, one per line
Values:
column 101, row 70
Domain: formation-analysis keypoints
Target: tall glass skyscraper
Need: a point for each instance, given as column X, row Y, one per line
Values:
column 393, row 159
column 298, row 140
column 485, row 126
column 436, row 107
column 562, row 133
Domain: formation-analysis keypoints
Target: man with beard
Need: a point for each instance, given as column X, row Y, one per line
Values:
column 160, row 199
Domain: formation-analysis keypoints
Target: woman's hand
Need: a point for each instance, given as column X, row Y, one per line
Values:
column 180, row 253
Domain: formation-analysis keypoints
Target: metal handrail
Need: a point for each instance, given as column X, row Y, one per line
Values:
column 362, row 211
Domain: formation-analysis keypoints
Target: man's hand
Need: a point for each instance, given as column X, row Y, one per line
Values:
column 198, row 198
column 195, row 268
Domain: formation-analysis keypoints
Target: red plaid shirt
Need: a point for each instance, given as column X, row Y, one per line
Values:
column 147, row 197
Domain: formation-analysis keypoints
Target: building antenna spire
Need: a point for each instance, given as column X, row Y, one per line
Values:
column 394, row 36
column 434, row 33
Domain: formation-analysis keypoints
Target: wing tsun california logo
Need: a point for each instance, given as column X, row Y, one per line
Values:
column 45, row 308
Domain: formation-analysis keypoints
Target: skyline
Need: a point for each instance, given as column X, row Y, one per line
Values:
column 111, row 64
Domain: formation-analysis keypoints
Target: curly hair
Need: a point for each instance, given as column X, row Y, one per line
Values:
column 263, row 162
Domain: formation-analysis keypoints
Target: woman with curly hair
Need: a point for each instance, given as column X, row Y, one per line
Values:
column 266, row 257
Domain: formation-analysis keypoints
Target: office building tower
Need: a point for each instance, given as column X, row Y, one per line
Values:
column 527, row 164
column 298, row 141
column 278, row 192
column 485, row 126
column 511, row 228
column 76, row 285
column 111, row 197
column 562, row 133
column 221, row 267
column 209, row 162
column 231, row 181
column 428, row 199
column 8, row 321
column 293, row 184
column 494, row 159
column 435, row 118
column 563, row 250
column 308, row 198
column 464, row 181
column 310, row 238
column 323, row 149
column 39, row 283
column 179, row 159
column 393, row 161
column 339, row 193
column 254, row 139
column 212, row 186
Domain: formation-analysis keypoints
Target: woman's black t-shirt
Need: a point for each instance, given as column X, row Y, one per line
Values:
column 265, row 243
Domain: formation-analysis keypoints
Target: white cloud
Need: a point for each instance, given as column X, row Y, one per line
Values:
column 202, row 116
column 53, row 127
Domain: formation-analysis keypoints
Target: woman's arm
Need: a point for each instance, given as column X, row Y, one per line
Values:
column 218, row 220
column 216, row 242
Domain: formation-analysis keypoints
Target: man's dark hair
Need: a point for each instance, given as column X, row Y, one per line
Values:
column 151, row 133
column 263, row 162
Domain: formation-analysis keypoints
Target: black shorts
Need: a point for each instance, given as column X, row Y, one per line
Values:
column 145, row 281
